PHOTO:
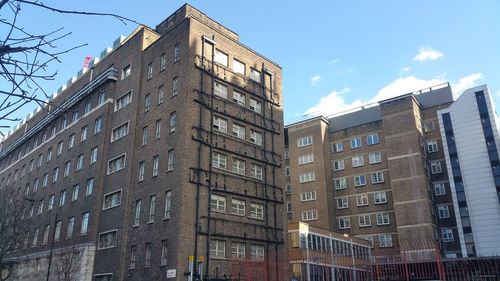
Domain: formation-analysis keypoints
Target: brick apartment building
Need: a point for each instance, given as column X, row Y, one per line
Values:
column 382, row 173
column 168, row 146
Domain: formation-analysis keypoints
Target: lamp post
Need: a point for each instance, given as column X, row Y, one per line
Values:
column 51, row 248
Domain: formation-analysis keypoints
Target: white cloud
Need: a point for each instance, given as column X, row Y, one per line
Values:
column 315, row 79
column 405, row 69
column 465, row 83
column 498, row 93
column 404, row 85
column 332, row 103
column 334, row 61
column 427, row 54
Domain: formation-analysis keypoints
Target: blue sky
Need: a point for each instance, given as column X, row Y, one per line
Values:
column 334, row 54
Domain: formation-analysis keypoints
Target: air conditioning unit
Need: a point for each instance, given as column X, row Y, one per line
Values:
column 118, row 41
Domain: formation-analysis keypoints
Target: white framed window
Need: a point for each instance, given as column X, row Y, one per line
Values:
column 256, row 105
column 439, row 189
column 156, row 164
column 93, row 155
column 308, row 196
column 436, row 167
column 67, row 168
column 98, row 125
column 126, row 71
column 338, row 165
column 238, row 166
column 175, row 86
column 74, row 117
column 220, row 90
column 255, row 75
column 372, row 139
column 137, row 212
column 116, row 164
column 40, row 207
column 239, row 98
column 150, row 70
column 340, row 183
column 221, row 58
column 40, row 161
column 238, row 250
column 447, row 235
column 344, row 222
column 432, row 146
column 58, row 152
column 83, row 135
column 288, row 189
column 306, row 159
column 120, row 131
column 147, row 102
column 170, row 160
column 164, row 251
column 360, row 180
column 364, row 220
column 375, row 157
column 342, row 202
column 256, row 137
column 50, row 204
column 309, row 215
column 429, row 126
column 76, row 191
column 62, row 198
column 162, row 62
column 158, row 129
column 337, row 147
column 444, row 212
column 35, row 237
column 49, row 157
column 217, row 248
column 362, row 200
column 85, row 223
column 257, row 211
column 112, row 199
column 383, row 218
column 133, row 257
column 168, row 204
column 123, row 101
column 256, row 171
column 385, row 240
column 239, row 131
column 377, row 177
column 173, row 122
column 89, row 187
column 238, row 207
column 144, row 135
column 45, row 180
column 218, row 203
column 238, row 67
column 219, row 160
column 152, row 208
column 288, row 207
column 71, row 141
column 307, row 177
column 107, row 239
column 257, row 252
column 79, row 162
column 57, row 232
column 356, row 142
column 220, row 124
column 177, row 52
column 305, row 141
column 71, row 227
column 161, row 94
column 55, row 174
column 358, row 161
column 380, row 197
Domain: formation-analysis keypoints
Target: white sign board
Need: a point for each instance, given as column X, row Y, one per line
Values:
column 171, row 273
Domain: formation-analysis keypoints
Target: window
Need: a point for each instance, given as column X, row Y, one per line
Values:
column 144, row 135
column 90, row 187
column 32, row 164
column 141, row 171
column 107, row 240
column 40, row 160
column 35, row 186
column 372, row 139
column 116, row 164
column 385, row 241
column 133, row 256
column 120, row 131
column 156, row 163
column 45, row 180
column 126, row 72
column 98, row 125
column 85, row 223
column 308, row 196
column 257, row 211
column 238, row 166
column 177, row 52
column 87, row 107
column 309, row 215
column 32, row 210
column 255, row 105
column 439, row 189
column 79, row 162
column 340, row 184
column 219, row 161
column 50, row 205
column 289, row 207
column 161, row 95
column 220, row 124
column 221, row 57
column 383, row 219
column 55, row 174
column 255, row 75
column 173, row 121
column 355, row 143
column 49, row 156
column 429, row 126
column 93, row 155
column 40, row 207
column 338, row 165
column 168, row 204
column 218, row 203
column 147, row 102
column 57, row 232
column 364, row 220
column 256, row 171
column 84, row 133
column 305, row 141
column 447, row 235
column 257, row 252
column 163, row 260
column 358, row 161
column 307, row 177
column 288, row 189
column 175, row 86
column 67, row 168
column 170, row 160
column 238, row 67
column 64, row 122
column 162, row 63
column 238, row 207
column 137, row 212
column 256, row 137
column 220, row 90
column 337, row 147
column 287, row 171
column 238, row 250
column 380, row 197
column 344, row 223
column 377, row 177
column 35, row 237
column 123, row 101
column 217, row 248
column 359, row 180
column 150, row 70
column 239, row 98
column 436, row 167
column 432, row 146
column 112, row 200
column 342, row 203
column 62, row 198
column 362, row 200
column 74, row 118
column 74, row 194
column 59, row 150
column 375, row 157
column 152, row 208
column 306, row 159
column 71, row 141
column 444, row 212
column 158, row 129
column 71, row 227
column 238, row 131
column 46, row 231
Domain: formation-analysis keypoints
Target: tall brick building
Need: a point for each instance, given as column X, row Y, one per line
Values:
column 169, row 146
column 382, row 173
